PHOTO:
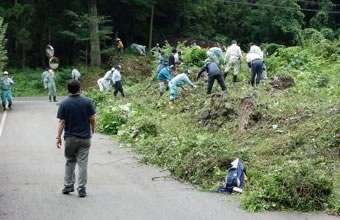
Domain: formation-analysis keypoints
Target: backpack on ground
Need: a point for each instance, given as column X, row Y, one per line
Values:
column 235, row 177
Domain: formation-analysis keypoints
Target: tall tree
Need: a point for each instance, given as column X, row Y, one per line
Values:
column 95, row 55
column 3, row 51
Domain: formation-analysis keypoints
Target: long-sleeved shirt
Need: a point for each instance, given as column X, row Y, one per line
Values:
column 233, row 52
column 75, row 74
column 6, row 83
column 116, row 76
column 108, row 75
column 43, row 75
column 257, row 50
column 210, row 67
column 164, row 74
column 253, row 56
column 180, row 80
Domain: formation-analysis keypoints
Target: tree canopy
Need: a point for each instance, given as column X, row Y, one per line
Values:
column 34, row 24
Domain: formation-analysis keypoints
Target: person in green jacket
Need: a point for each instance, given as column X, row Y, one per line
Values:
column 51, row 86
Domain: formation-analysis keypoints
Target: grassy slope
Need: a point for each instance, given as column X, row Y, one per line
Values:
column 304, row 147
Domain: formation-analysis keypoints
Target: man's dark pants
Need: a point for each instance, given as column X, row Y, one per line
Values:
column 118, row 88
column 220, row 81
column 256, row 71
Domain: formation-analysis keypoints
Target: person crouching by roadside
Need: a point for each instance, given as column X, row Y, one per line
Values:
column 178, row 81
column 164, row 76
column 116, row 79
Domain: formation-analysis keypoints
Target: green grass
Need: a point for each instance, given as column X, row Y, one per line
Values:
column 28, row 81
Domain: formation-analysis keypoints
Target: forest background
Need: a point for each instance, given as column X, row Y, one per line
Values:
column 32, row 24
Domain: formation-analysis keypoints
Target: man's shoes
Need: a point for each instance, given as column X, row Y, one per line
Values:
column 68, row 189
column 82, row 191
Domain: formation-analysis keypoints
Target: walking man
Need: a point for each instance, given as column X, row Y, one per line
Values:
column 233, row 59
column 51, row 86
column 6, row 91
column 116, row 78
column 214, row 73
column 76, row 116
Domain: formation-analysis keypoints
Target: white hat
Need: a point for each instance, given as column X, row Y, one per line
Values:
column 5, row 73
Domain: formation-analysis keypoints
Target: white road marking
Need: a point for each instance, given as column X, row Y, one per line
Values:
column 2, row 123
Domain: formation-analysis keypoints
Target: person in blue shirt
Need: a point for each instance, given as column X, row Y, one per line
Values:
column 214, row 73
column 164, row 76
column 77, row 120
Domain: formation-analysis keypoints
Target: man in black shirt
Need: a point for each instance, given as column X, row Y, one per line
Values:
column 76, row 116
column 214, row 73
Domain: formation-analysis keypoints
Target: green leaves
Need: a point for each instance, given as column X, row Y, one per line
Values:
column 3, row 51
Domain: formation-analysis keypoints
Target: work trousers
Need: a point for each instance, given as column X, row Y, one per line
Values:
column 233, row 62
column 76, row 153
column 6, row 97
column 211, row 81
column 256, row 71
column 118, row 88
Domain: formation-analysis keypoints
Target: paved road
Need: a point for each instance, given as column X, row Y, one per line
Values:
column 31, row 179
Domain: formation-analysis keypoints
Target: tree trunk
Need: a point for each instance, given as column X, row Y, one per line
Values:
column 94, row 38
column 23, row 57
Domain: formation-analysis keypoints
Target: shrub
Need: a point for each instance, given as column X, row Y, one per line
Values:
column 111, row 119
column 293, row 185
column 194, row 55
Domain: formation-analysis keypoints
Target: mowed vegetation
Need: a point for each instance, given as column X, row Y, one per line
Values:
column 291, row 147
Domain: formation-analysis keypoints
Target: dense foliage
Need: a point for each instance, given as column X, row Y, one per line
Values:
column 3, row 51
column 34, row 24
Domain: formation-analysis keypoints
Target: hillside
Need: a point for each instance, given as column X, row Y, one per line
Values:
column 290, row 145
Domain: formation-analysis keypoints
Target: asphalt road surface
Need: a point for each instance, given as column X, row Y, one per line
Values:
column 32, row 168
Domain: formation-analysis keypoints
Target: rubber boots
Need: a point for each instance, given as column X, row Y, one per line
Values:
column 235, row 78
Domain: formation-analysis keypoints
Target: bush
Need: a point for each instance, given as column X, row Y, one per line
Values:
column 194, row 55
column 140, row 129
column 293, row 185
column 271, row 48
column 111, row 119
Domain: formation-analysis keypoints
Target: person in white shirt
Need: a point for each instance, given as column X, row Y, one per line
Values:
column 75, row 74
column 256, row 49
column 255, row 63
column 233, row 59
column 116, row 78
column 104, row 83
